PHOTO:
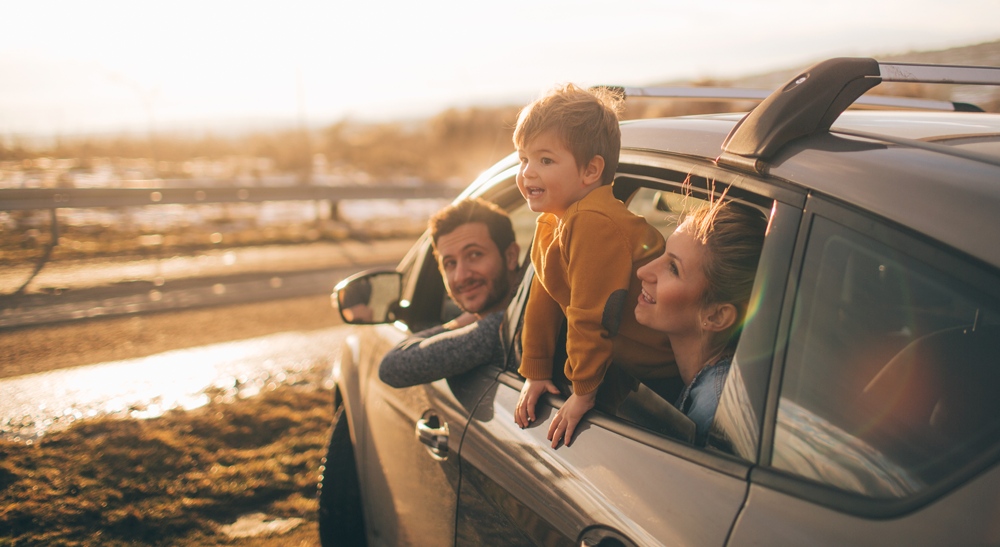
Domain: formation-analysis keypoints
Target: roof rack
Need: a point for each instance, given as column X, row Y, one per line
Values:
column 812, row 100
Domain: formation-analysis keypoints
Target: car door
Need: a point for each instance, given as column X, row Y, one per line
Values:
column 409, row 471
column 622, row 482
column 884, row 428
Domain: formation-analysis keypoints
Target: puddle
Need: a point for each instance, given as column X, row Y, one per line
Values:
column 147, row 387
column 259, row 524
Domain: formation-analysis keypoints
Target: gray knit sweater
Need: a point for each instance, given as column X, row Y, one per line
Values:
column 438, row 353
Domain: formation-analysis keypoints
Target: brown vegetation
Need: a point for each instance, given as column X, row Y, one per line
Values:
column 169, row 480
column 457, row 143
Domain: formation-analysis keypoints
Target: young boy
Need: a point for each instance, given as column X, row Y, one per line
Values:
column 586, row 251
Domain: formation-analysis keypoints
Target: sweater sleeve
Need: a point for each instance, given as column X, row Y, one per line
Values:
column 600, row 263
column 437, row 353
column 542, row 320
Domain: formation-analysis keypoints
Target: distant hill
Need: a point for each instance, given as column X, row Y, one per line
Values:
column 985, row 54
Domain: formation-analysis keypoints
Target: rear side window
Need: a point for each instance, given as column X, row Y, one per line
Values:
column 892, row 374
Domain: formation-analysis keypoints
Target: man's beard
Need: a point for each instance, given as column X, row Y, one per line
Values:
column 500, row 291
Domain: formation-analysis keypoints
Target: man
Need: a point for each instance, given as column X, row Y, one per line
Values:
column 478, row 258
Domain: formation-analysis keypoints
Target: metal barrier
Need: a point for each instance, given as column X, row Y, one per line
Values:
column 59, row 198
column 81, row 198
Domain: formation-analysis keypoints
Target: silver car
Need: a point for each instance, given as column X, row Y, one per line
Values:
column 861, row 407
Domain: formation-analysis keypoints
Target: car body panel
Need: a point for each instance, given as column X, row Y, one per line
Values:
column 914, row 188
column 967, row 516
column 398, row 473
column 650, row 496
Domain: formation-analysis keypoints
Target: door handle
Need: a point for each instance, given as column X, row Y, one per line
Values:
column 433, row 432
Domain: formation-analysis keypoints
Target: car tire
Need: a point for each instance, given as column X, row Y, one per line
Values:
column 341, row 520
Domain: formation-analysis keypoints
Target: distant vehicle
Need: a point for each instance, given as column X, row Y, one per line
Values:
column 862, row 405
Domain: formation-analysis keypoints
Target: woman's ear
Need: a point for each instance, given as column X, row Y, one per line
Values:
column 593, row 171
column 718, row 317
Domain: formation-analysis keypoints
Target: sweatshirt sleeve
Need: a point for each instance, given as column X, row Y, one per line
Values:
column 542, row 320
column 600, row 263
column 437, row 353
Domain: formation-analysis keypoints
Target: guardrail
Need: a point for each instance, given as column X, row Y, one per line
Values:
column 80, row 198
column 59, row 198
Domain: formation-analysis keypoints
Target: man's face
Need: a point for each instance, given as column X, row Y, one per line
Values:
column 476, row 273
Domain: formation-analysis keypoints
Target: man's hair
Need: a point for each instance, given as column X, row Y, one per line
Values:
column 585, row 120
column 473, row 210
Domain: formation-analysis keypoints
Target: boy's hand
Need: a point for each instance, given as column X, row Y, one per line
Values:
column 569, row 416
column 524, row 414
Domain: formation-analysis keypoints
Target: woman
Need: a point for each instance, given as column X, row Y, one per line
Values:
column 697, row 292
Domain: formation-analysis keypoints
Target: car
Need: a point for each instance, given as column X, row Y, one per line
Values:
column 861, row 407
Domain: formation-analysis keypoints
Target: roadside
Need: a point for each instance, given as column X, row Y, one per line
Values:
column 173, row 480
column 180, row 478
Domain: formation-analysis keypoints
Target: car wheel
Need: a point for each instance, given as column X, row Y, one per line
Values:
column 341, row 521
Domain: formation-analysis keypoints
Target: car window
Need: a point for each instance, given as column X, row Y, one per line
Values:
column 652, row 407
column 661, row 209
column 891, row 376
column 523, row 220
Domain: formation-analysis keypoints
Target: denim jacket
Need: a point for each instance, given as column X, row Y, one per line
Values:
column 701, row 397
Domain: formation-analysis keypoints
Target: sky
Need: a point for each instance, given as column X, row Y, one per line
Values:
column 69, row 67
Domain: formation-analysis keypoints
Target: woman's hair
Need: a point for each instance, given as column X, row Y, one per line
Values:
column 733, row 235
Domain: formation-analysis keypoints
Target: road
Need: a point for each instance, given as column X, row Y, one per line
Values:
column 80, row 289
column 92, row 347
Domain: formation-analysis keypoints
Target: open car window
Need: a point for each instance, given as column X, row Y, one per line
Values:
column 652, row 406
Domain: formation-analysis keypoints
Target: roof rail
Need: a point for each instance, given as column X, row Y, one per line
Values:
column 747, row 94
column 939, row 74
column 812, row 100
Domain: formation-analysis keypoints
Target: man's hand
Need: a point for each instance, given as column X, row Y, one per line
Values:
column 461, row 321
column 569, row 416
column 524, row 414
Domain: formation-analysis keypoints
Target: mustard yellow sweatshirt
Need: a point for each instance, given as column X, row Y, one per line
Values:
column 585, row 268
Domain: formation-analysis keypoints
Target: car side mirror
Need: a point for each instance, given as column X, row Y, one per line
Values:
column 369, row 298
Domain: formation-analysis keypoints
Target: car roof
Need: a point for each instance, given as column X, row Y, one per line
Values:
column 919, row 178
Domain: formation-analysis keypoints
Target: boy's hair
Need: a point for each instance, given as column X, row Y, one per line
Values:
column 585, row 120
column 473, row 210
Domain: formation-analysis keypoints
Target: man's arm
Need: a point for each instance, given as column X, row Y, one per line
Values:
column 438, row 353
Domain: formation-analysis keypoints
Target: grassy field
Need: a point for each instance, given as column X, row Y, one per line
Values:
column 172, row 480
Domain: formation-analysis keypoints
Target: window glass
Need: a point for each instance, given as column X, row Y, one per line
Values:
column 523, row 220
column 661, row 209
column 653, row 408
column 891, row 375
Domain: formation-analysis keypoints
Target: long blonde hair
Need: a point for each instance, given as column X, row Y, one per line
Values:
column 733, row 236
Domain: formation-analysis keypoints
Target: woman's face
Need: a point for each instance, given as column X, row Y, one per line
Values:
column 672, row 287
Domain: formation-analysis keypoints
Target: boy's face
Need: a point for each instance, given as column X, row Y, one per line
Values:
column 550, row 179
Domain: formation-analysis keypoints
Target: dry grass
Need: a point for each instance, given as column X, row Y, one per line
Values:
column 169, row 480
